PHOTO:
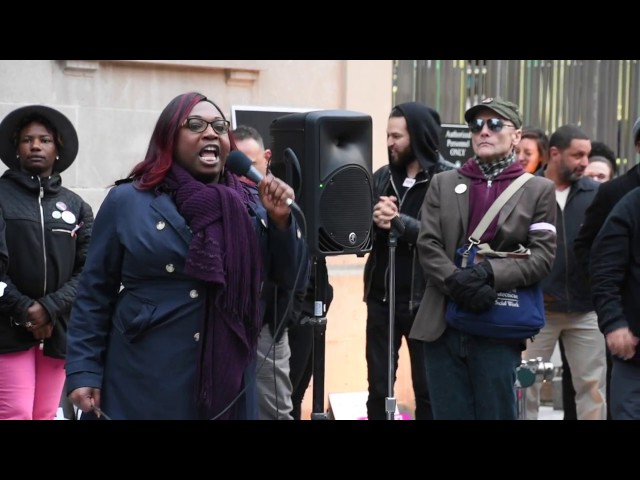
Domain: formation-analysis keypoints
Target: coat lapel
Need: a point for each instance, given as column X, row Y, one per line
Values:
column 463, row 201
column 167, row 209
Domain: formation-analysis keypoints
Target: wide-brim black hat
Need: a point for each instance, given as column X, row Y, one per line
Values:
column 66, row 130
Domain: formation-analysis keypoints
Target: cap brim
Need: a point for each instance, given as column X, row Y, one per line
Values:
column 471, row 113
column 63, row 125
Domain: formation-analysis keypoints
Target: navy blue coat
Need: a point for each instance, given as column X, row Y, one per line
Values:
column 133, row 330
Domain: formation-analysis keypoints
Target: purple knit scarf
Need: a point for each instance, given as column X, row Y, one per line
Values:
column 224, row 253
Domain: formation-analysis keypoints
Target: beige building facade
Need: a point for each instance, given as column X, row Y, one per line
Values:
column 114, row 105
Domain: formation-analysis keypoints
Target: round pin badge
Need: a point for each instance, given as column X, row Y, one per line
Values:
column 61, row 206
column 68, row 217
column 460, row 188
column 56, row 214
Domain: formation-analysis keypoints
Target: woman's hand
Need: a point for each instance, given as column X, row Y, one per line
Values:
column 42, row 332
column 85, row 398
column 37, row 316
column 276, row 196
column 38, row 321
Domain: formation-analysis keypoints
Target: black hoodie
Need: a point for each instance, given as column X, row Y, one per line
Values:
column 423, row 124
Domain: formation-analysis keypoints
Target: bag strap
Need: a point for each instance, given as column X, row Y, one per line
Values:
column 497, row 205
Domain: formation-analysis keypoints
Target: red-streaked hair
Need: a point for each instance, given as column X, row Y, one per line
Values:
column 157, row 162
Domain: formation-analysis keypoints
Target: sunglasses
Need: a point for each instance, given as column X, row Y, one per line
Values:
column 199, row 125
column 494, row 124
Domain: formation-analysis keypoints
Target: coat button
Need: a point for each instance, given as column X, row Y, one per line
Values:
column 170, row 268
column 194, row 294
column 160, row 225
column 196, row 337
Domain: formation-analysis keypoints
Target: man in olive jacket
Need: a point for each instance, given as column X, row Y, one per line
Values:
column 472, row 377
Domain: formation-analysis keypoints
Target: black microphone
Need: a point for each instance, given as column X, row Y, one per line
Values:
column 241, row 165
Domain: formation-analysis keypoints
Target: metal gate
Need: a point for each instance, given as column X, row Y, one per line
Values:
column 601, row 96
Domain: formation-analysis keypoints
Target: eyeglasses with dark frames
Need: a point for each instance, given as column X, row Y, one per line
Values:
column 494, row 124
column 199, row 125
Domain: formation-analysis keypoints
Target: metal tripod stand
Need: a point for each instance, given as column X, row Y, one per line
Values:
column 396, row 230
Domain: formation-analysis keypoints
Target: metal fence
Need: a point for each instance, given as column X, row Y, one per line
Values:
column 601, row 96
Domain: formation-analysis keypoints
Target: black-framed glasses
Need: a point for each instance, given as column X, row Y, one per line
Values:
column 494, row 124
column 199, row 125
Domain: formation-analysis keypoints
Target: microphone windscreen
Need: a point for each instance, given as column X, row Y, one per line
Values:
column 238, row 163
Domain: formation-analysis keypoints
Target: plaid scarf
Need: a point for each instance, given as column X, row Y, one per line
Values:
column 223, row 252
column 493, row 169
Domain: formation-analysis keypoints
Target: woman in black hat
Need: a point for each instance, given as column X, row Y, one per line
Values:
column 48, row 228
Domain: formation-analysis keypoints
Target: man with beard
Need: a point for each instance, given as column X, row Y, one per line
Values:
column 569, row 310
column 413, row 132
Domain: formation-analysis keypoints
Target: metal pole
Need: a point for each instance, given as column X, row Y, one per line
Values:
column 319, row 335
column 390, row 401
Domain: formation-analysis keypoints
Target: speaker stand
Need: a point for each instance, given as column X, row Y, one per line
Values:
column 319, row 322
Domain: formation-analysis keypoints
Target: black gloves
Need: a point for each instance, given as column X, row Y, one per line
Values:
column 472, row 288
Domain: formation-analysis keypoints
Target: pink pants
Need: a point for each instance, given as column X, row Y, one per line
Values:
column 30, row 385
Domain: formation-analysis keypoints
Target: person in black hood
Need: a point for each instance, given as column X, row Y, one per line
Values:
column 413, row 133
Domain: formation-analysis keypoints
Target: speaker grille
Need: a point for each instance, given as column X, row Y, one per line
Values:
column 346, row 205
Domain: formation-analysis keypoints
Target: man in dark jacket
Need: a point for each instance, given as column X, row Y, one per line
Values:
column 412, row 140
column 615, row 283
column 568, row 307
column 273, row 383
column 608, row 195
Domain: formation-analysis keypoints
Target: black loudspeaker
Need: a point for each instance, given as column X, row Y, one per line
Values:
column 326, row 156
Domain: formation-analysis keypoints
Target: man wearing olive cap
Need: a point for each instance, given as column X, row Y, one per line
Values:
column 470, row 376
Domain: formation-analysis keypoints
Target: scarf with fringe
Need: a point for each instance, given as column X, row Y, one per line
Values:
column 224, row 253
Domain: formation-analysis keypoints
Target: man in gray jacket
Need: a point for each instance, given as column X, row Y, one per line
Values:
column 472, row 377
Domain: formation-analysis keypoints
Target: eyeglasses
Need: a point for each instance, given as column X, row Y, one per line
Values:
column 199, row 125
column 494, row 124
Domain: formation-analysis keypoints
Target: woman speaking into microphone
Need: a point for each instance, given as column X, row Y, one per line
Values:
column 168, row 312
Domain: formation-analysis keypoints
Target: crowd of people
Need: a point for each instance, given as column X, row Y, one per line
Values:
column 192, row 294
